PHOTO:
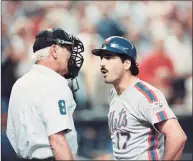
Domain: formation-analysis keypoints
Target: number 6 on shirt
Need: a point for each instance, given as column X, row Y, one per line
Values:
column 62, row 107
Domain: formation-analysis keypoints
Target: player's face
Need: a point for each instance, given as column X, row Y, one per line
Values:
column 112, row 69
column 63, row 57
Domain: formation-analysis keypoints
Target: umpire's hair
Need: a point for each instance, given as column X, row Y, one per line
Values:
column 40, row 54
column 134, row 66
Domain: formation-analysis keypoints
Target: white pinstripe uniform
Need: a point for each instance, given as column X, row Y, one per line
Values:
column 131, row 119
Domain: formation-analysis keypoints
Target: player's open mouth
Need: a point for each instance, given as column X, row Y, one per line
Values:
column 104, row 71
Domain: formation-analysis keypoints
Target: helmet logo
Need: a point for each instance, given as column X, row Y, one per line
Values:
column 107, row 41
column 49, row 29
column 132, row 46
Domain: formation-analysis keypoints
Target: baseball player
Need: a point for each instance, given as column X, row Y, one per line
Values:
column 142, row 125
column 40, row 123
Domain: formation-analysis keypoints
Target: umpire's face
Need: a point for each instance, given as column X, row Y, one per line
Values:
column 112, row 69
column 61, row 56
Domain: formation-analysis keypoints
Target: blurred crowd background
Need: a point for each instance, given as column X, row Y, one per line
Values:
column 161, row 32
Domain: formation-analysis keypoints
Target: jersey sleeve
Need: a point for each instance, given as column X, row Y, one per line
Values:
column 155, row 111
column 54, row 111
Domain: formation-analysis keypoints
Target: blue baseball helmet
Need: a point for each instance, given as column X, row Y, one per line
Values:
column 116, row 45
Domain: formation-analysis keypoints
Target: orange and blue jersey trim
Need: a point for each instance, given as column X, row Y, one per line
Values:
column 153, row 135
column 161, row 115
column 153, row 143
column 151, row 97
column 147, row 92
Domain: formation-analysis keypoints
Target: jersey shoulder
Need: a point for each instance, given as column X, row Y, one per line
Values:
column 20, row 82
column 147, row 91
column 41, row 83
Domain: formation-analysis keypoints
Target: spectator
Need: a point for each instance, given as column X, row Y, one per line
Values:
column 157, row 68
column 5, row 41
column 179, row 50
column 8, row 73
column 96, row 91
column 107, row 27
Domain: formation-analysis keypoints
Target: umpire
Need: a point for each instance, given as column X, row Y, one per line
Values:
column 40, row 123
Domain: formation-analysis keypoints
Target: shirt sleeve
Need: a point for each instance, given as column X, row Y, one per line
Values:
column 54, row 111
column 156, row 111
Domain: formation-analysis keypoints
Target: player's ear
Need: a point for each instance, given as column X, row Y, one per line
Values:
column 127, row 64
column 53, row 51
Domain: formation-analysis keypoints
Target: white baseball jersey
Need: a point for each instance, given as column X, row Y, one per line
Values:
column 131, row 119
column 41, row 104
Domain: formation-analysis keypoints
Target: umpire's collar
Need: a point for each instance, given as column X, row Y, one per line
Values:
column 48, row 71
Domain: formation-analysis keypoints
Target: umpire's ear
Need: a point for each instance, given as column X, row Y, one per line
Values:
column 127, row 64
column 53, row 51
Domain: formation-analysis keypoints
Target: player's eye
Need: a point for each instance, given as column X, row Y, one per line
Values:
column 108, row 57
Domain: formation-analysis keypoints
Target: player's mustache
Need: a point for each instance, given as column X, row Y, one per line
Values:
column 103, row 70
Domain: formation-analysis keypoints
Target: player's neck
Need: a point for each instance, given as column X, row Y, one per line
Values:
column 124, row 83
